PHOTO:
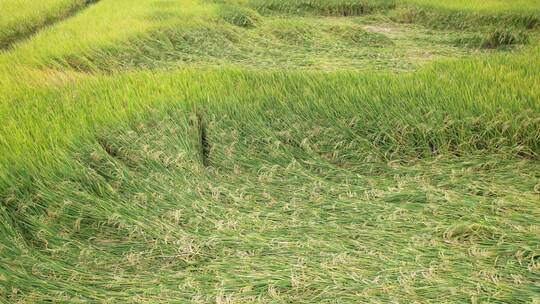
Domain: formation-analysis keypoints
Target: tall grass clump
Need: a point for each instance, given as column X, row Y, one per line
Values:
column 498, row 38
column 239, row 16
column 485, row 7
column 452, row 19
column 503, row 38
column 322, row 7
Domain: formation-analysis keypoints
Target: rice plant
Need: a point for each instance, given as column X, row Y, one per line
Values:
column 272, row 152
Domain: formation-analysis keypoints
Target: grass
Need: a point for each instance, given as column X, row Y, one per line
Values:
column 112, row 22
column 228, row 37
column 324, row 7
column 484, row 6
column 239, row 16
column 153, row 160
column 300, row 43
column 19, row 19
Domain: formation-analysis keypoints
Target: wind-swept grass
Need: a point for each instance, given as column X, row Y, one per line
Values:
column 267, row 219
column 322, row 7
column 158, row 35
column 21, row 18
column 498, row 113
column 233, row 185
column 472, row 15
column 484, row 6
column 112, row 22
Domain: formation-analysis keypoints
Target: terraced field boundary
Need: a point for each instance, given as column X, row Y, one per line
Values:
column 24, row 30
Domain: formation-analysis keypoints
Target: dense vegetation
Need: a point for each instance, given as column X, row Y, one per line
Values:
column 19, row 19
column 270, row 151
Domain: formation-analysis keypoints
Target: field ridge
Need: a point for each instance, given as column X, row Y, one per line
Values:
column 8, row 42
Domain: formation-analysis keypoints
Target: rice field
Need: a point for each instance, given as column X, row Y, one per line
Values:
column 246, row 151
column 20, row 20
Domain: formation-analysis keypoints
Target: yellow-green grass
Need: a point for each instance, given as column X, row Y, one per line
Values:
column 21, row 18
column 193, row 186
column 221, row 184
column 267, row 216
column 497, row 95
column 158, row 34
column 472, row 15
column 481, row 6
column 320, row 7
column 104, row 25
column 358, row 7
